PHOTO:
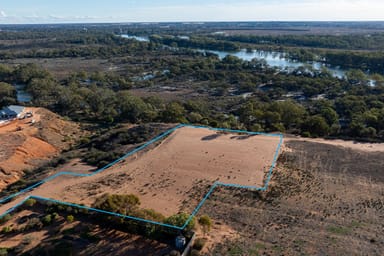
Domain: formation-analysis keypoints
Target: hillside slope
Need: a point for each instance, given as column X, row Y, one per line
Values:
column 27, row 143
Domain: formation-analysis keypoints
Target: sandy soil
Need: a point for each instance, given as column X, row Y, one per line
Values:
column 176, row 174
column 106, row 241
column 27, row 143
column 218, row 233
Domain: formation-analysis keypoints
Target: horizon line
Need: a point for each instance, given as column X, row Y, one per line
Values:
column 191, row 22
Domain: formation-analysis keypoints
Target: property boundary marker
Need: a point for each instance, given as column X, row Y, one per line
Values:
column 159, row 137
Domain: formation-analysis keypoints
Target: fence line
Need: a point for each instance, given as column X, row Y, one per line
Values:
column 159, row 137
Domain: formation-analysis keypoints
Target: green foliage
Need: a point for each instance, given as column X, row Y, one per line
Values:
column 5, row 218
column 278, row 101
column 30, row 202
column 174, row 113
column 47, row 219
column 123, row 204
column 3, row 251
column 34, row 224
column 179, row 220
column 317, row 126
column 337, row 230
column 149, row 214
column 7, row 94
column 70, row 218
column 6, row 229
column 206, row 223
column 55, row 216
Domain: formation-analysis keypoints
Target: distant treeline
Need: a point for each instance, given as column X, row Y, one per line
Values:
column 196, row 42
column 347, row 109
column 345, row 42
column 304, row 101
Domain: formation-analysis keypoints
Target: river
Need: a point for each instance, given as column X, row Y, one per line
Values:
column 278, row 60
column 272, row 59
column 22, row 95
column 138, row 38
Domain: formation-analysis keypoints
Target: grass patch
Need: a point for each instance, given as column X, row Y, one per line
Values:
column 235, row 251
column 338, row 230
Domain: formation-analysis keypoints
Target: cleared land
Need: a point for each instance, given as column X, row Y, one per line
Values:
column 28, row 143
column 176, row 174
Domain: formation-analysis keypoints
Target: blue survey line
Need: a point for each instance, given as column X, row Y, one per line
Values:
column 266, row 183
column 102, row 211
column 199, row 205
column 14, row 207
column 94, row 173
column 166, row 133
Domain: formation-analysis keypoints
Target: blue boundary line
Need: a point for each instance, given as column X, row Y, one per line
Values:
column 164, row 134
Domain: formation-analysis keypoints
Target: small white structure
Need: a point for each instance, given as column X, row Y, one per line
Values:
column 11, row 112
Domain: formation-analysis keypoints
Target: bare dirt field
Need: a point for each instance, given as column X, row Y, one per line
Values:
column 176, row 174
column 27, row 143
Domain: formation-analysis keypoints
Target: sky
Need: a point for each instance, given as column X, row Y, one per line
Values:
column 64, row 11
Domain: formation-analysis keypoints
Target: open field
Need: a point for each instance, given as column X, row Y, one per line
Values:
column 325, row 198
column 176, row 174
column 63, row 67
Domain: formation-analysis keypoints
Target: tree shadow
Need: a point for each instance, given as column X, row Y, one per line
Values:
column 243, row 137
column 211, row 137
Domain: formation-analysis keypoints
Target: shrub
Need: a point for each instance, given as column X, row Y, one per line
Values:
column 179, row 220
column 55, row 216
column 47, row 219
column 30, row 202
column 6, row 229
column 123, row 204
column 149, row 214
column 3, row 251
column 206, row 223
column 34, row 223
column 199, row 244
column 5, row 218
column 70, row 218
column 195, row 252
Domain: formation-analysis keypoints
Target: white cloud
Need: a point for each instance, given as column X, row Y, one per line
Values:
column 3, row 14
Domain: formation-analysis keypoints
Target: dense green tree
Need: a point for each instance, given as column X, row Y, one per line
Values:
column 174, row 112
column 316, row 125
column 7, row 94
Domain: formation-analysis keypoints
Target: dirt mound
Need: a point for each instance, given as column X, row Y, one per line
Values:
column 27, row 143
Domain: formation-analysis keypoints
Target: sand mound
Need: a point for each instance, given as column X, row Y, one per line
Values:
column 27, row 143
